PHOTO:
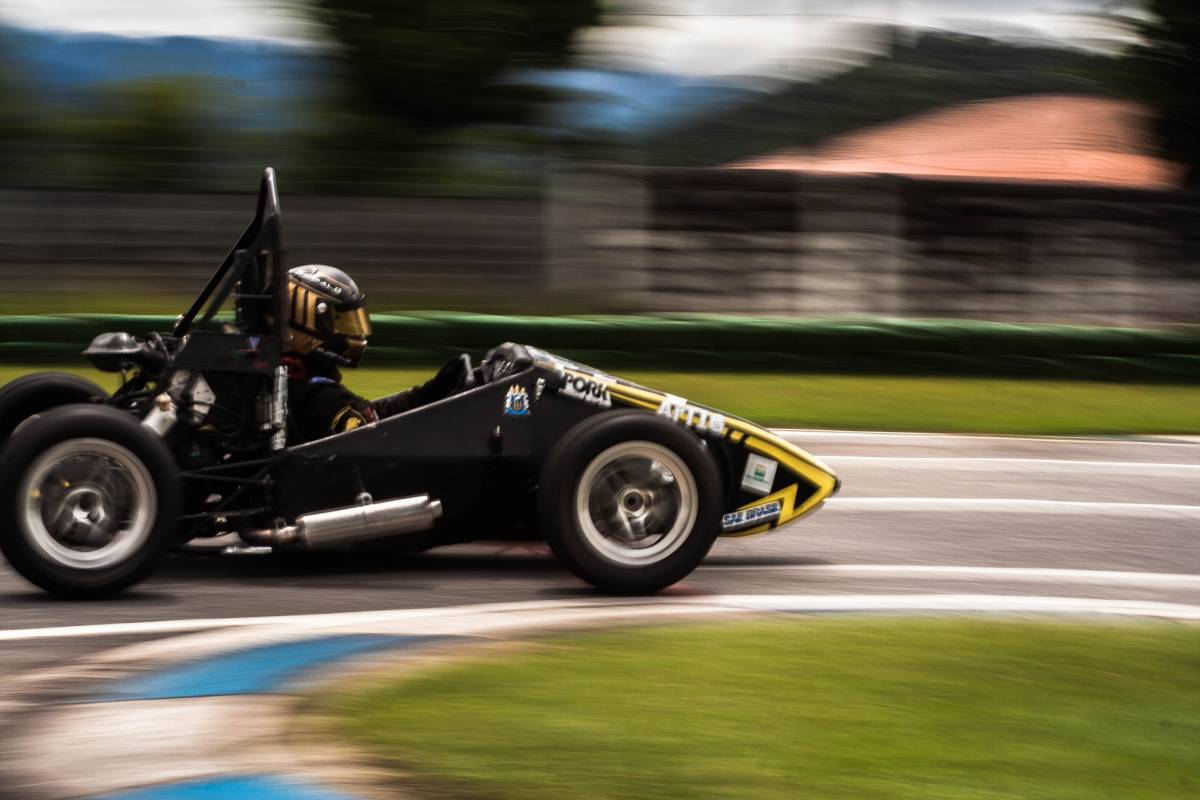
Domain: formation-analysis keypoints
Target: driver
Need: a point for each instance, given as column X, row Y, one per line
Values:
column 330, row 327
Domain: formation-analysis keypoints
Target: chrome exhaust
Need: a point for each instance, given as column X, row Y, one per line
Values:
column 339, row 526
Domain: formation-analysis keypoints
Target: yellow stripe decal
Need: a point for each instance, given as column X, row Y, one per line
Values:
column 633, row 393
column 631, row 397
column 761, row 441
column 629, row 401
column 825, row 482
column 822, row 479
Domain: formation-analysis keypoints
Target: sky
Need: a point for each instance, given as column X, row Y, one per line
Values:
column 770, row 38
column 234, row 19
column 800, row 38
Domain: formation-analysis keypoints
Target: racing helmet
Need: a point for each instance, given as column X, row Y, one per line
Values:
column 328, row 314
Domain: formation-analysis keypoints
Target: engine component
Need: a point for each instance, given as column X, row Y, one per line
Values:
column 278, row 418
column 162, row 416
column 190, row 389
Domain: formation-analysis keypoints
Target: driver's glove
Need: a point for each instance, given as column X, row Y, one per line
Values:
column 446, row 382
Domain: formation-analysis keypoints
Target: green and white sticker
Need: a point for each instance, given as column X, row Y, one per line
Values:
column 759, row 474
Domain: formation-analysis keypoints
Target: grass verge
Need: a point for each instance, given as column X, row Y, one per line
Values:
column 847, row 708
column 966, row 405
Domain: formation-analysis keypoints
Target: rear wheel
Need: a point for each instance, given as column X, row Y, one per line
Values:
column 88, row 501
column 32, row 394
column 630, row 502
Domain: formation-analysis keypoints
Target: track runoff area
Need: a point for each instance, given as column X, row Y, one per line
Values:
column 132, row 699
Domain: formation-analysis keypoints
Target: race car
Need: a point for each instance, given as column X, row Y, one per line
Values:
column 629, row 486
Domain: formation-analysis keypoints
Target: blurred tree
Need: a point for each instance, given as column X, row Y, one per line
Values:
column 140, row 134
column 1164, row 71
column 425, row 66
column 11, row 117
column 13, row 112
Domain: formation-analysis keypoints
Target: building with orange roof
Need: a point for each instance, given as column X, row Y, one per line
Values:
column 1085, row 140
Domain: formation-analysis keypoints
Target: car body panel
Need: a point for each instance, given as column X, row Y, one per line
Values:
column 799, row 488
column 480, row 451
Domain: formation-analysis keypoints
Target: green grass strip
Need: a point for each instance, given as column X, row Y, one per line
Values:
column 966, row 405
column 823, row 709
column 867, row 346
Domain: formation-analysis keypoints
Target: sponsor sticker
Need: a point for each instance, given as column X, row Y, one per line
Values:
column 759, row 475
column 692, row 416
column 750, row 517
column 516, row 402
column 592, row 391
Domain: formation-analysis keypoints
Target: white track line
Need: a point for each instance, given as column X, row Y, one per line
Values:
column 1020, row 574
column 537, row 612
column 966, row 603
column 988, row 463
column 937, row 505
column 803, row 434
column 305, row 620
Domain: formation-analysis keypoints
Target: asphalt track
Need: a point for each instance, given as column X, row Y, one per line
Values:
column 918, row 514
column 924, row 523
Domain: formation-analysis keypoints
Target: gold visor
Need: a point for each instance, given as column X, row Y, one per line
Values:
column 354, row 324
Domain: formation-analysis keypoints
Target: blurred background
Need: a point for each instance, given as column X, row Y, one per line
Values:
column 1024, row 161
column 975, row 216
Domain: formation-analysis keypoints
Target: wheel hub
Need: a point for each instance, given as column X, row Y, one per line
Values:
column 633, row 500
column 88, row 503
column 85, row 505
column 636, row 502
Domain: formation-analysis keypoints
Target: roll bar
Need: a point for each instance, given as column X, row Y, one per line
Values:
column 254, row 268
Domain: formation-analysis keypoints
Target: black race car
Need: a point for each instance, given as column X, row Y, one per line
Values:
column 628, row 485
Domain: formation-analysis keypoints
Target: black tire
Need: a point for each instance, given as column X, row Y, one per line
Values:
column 633, row 437
column 32, row 394
column 128, row 481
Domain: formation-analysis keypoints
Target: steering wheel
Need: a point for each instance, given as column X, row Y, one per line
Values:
column 507, row 359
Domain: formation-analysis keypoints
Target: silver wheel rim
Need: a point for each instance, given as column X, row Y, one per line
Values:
column 636, row 503
column 87, row 503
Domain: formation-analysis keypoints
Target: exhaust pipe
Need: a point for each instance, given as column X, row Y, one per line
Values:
column 339, row 526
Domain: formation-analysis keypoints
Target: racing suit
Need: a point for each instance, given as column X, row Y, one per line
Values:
column 320, row 405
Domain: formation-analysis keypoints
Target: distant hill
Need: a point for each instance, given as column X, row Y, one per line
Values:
column 58, row 66
column 936, row 70
column 627, row 104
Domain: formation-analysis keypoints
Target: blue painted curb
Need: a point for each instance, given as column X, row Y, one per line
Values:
column 238, row 787
column 258, row 670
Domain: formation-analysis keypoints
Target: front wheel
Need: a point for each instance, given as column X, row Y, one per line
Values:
column 88, row 501
column 630, row 502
